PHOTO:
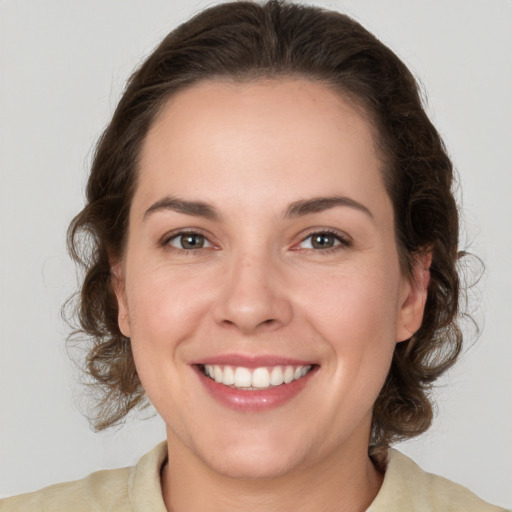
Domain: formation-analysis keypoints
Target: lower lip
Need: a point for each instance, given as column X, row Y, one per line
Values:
column 254, row 400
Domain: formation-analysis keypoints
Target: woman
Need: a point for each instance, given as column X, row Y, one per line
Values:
column 272, row 241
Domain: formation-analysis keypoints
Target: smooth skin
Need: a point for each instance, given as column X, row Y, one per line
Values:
column 221, row 258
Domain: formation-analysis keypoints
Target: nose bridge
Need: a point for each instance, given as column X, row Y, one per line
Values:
column 251, row 297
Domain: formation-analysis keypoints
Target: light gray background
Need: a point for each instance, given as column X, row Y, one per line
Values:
column 63, row 65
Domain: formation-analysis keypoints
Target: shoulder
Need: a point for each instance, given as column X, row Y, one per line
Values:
column 124, row 489
column 407, row 488
column 103, row 490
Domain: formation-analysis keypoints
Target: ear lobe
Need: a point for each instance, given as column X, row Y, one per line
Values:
column 118, row 285
column 416, row 292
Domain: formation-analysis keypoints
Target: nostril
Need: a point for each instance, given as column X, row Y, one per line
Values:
column 269, row 323
column 245, row 308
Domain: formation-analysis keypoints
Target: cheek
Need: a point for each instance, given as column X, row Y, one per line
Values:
column 356, row 316
column 163, row 317
column 350, row 306
column 164, row 306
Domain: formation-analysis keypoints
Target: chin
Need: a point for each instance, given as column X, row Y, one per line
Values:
column 253, row 464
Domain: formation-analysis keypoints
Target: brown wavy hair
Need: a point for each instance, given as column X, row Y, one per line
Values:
column 244, row 41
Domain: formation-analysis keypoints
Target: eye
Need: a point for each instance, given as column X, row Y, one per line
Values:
column 323, row 240
column 189, row 241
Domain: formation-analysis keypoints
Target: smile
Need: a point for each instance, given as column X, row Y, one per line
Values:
column 250, row 379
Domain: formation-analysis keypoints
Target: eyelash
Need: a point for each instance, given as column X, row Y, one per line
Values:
column 167, row 239
column 344, row 241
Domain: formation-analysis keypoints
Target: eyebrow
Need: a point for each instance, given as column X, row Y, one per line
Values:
column 320, row 204
column 195, row 208
column 295, row 209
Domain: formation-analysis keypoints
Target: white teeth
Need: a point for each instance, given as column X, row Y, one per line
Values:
column 243, row 377
column 289, row 373
column 229, row 376
column 276, row 377
column 259, row 378
column 217, row 374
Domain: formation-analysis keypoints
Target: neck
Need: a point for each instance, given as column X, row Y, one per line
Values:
column 346, row 481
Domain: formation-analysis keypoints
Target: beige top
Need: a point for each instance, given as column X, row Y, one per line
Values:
column 406, row 488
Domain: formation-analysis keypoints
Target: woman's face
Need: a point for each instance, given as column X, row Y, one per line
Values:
column 261, row 251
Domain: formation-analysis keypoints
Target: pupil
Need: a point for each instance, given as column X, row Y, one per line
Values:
column 192, row 241
column 323, row 241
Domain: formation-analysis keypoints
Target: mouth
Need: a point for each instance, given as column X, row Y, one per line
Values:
column 249, row 383
column 255, row 379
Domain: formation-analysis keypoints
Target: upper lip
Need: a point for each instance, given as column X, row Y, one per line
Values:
column 251, row 361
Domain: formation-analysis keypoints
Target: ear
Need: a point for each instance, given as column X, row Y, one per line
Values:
column 118, row 285
column 414, row 297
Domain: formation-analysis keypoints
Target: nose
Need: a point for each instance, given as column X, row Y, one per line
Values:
column 252, row 297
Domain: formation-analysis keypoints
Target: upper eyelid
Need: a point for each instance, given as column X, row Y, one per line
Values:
column 174, row 234
column 341, row 235
column 330, row 231
column 184, row 231
column 345, row 241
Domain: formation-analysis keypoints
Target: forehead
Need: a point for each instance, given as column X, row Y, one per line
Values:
column 271, row 135
column 249, row 105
